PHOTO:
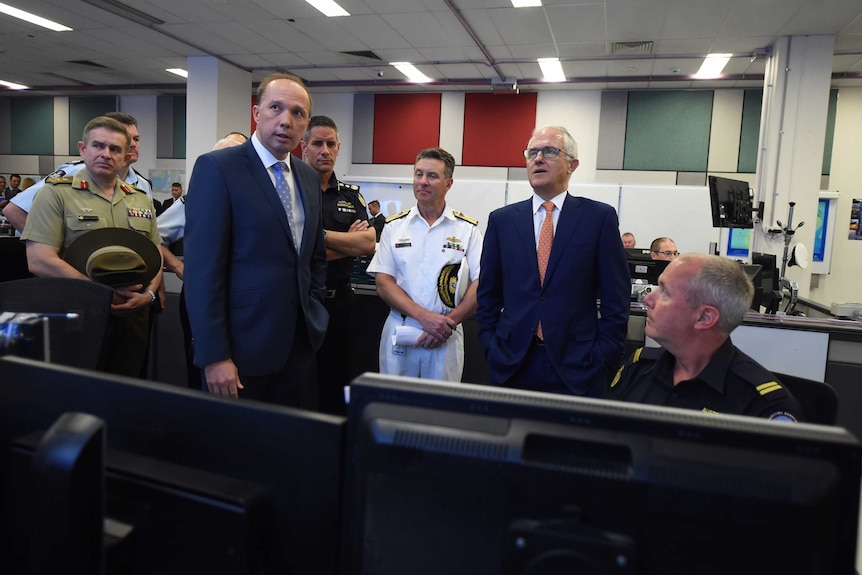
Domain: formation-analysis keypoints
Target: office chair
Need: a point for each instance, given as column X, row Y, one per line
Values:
column 818, row 400
column 73, row 342
column 14, row 258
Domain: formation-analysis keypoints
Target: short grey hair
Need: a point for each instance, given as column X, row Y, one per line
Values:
column 723, row 284
column 568, row 140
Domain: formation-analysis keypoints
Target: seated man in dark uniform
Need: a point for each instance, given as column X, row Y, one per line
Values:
column 700, row 300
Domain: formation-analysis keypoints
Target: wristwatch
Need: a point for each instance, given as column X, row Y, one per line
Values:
column 152, row 296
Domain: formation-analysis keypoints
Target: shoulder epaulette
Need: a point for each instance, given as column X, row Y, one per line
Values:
column 466, row 218
column 58, row 180
column 641, row 352
column 397, row 216
column 351, row 187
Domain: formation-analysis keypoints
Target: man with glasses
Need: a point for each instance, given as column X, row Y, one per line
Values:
column 663, row 249
column 545, row 262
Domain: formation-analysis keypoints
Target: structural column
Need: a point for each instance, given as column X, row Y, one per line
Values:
column 792, row 133
column 218, row 102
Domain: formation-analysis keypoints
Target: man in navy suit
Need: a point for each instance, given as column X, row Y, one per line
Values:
column 545, row 334
column 255, row 259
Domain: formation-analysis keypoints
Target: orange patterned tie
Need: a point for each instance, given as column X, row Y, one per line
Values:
column 543, row 253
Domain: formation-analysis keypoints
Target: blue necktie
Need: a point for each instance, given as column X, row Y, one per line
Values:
column 286, row 197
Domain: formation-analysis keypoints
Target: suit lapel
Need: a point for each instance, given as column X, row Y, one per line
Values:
column 570, row 219
column 264, row 183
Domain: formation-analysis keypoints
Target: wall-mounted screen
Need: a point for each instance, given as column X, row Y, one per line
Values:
column 730, row 201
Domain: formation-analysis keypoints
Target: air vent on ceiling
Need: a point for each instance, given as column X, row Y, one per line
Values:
column 631, row 47
column 364, row 54
column 86, row 63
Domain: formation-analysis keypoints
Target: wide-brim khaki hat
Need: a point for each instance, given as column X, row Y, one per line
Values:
column 115, row 257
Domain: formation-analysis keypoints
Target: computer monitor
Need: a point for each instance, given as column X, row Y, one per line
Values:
column 769, row 277
column 646, row 271
column 180, row 466
column 462, row 479
column 730, row 201
column 638, row 253
column 755, row 274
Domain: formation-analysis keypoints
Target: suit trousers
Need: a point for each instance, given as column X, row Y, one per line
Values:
column 337, row 359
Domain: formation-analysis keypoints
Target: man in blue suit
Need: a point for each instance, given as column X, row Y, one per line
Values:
column 538, row 322
column 255, row 259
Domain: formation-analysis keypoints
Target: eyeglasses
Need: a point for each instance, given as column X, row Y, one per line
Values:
column 667, row 253
column 547, row 152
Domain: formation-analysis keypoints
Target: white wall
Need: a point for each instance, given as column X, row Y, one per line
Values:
column 843, row 284
column 579, row 111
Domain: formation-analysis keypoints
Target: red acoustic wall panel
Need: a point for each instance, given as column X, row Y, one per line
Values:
column 405, row 124
column 497, row 128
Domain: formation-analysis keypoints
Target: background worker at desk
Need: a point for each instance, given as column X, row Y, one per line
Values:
column 663, row 249
column 700, row 300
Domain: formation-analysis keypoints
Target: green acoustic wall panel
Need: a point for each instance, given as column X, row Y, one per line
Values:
column 830, row 132
column 179, row 127
column 749, row 136
column 81, row 111
column 668, row 131
column 32, row 123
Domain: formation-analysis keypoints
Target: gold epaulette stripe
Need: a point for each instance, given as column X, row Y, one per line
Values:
column 768, row 387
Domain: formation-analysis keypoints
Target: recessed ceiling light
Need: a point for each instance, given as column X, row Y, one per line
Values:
column 178, row 72
column 552, row 70
column 13, row 85
column 33, row 19
column 712, row 66
column 411, row 72
column 329, row 8
column 526, row 3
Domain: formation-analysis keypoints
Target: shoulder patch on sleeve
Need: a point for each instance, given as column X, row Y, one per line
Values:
column 359, row 195
column 397, row 216
column 58, row 179
column 465, row 217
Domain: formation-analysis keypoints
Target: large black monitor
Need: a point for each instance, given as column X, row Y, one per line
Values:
column 464, row 479
column 755, row 274
column 638, row 253
column 646, row 271
column 200, row 483
column 731, row 204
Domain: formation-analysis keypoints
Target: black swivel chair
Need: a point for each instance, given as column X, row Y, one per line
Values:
column 818, row 400
column 73, row 342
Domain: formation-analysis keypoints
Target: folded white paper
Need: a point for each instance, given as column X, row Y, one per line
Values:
column 406, row 335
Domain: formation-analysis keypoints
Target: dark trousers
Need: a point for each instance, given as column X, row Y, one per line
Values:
column 537, row 373
column 295, row 384
column 193, row 372
column 124, row 351
column 337, row 362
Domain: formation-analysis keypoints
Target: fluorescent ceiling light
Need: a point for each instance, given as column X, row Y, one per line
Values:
column 552, row 69
column 33, row 19
column 178, row 72
column 411, row 72
column 329, row 8
column 13, row 85
column 526, row 3
column 712, row 66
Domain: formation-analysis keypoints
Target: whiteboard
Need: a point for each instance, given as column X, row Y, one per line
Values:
column 681, row 213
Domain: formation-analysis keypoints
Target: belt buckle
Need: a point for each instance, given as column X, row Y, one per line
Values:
column 330, row 293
